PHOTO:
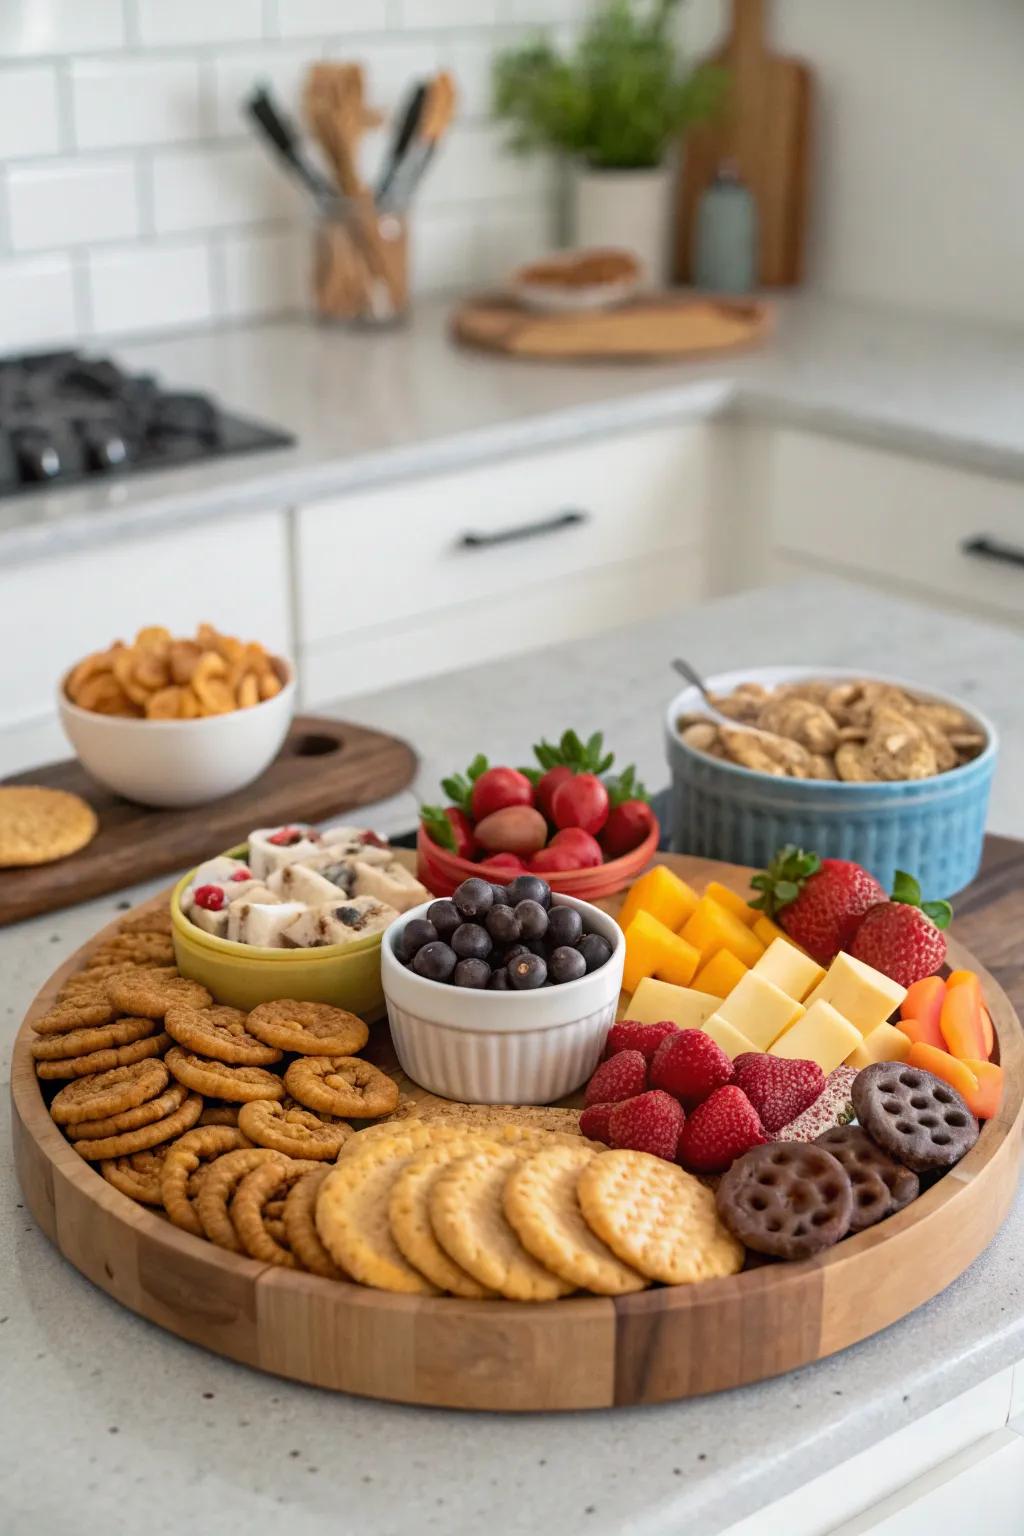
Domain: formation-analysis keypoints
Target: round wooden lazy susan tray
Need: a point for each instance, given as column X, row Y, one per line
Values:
column 592, row 1352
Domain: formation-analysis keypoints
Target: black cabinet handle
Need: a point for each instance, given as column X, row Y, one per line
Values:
column 569, row 519
column 984, row 548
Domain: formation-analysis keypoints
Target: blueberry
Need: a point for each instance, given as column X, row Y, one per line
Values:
column 566, row 964
column 532, row 919
column 415, row 935
column 499, row 981
column 445, row 916
column 435, row 961
column 565, row 926
column 513, row 952
column 595, row 950
column 527, row 972
column 471, row 942
column 473, row 973
column 500, row 895
column 529, row 888
column 474, row 897
column 502, row 924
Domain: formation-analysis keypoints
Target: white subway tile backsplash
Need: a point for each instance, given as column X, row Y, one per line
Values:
column 235, row 75
column 150, row 288
column 471, row 61
column 168, row 23
column 511, row 234
column 301, row 18
column 392, row 66
column 37, row 302
column 60, row 26
column 266, row 272
column 450, row 13
column 215, row 187
column 471, row 162
column 29, row 118
column 445, row 248
column 129, row 101
column 71, row 202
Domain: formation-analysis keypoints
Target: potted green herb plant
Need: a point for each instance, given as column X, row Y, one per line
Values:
column 615, row 106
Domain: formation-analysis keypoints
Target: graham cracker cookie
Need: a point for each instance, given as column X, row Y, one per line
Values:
column 38, row 826
column 542, row 1208
column 352, row 1214
column 103, row 1061
column 467, row 1213
column 65, row 1017
column 109, row 1093
column 286, row 1127
column 409, row 1216
column 100, row 1037
column 145, row 992
column 137, row 1175
column 345, row 1086
column 219, row 1081
column 309, row 1029
column 254, row 1231
column 157, row 921
column 139, row 948
column 657, row 1218
column 184, row 1157
column 300, row 1226
column 223, row 1177
column 181, row 1119
column 159, row 1108
column 220, row 1033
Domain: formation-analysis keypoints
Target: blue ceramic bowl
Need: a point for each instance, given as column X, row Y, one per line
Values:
column 932, row 827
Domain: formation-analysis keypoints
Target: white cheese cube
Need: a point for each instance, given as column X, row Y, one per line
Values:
column 822, row 1035
column 789, row 968
column 760, row 1010
column 861, row 994
column 391, row 883
column 656, row 1002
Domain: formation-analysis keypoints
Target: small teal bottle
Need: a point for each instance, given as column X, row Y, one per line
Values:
column 725, row 240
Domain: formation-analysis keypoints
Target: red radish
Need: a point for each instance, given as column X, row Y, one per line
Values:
column 627, row 826
column 449, row 828
column 517, row 829
column 546, row 786
column 498, row 788
column 581, row 801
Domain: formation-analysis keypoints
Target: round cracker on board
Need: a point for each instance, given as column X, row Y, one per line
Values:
column 38, row 826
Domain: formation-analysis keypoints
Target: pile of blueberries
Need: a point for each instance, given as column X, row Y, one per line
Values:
column 502, row 937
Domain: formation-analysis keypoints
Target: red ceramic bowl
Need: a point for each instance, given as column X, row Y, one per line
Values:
column 442, row 871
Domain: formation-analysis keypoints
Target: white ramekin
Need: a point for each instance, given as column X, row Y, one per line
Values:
column 502, row 1047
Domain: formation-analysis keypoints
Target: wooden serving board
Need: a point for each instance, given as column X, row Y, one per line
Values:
column 765, row 131
column 592, row 1352
column 324, row 768
column 660, row 325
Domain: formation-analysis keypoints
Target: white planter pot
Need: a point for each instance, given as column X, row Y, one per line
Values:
column 629, row 209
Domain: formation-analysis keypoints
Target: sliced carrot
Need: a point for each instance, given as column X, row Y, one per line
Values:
column 989, row 1097
column 956, row 977
column 942, row 1064
column 988, row 1033
column 923, row 1032
column 960, row 1020
column 924, row 1002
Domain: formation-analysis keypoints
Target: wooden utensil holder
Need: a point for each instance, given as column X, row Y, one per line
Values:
column 361, row 271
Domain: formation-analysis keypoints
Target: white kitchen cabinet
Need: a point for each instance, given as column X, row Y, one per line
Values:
column 431, row 574
column 232, row 572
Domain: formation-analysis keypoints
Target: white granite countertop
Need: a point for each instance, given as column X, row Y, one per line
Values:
column 109, row 1424
column 368, row 407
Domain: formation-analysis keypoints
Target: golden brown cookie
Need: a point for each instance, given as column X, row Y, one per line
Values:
column 467, row 1214
column 218, row 1114
column 352, row 1214
column 223, row 1177
column 137, row 1175
column 38, row 826
column 300, row 1226
column 144, row 992
column 65, row 1017
column 156, row 921
column 109, row 1093
column 181, row 1119
column 94, row 986
column 286, row 1127
column 252, row 1195
column 542, row 1208
column 216, row 1080
column 139, row 948
column 100, row 1037
column 219, row 1033
column 184, row 1157
column 656, row 1218
column 409, row 1216
column 309, row 1029
column 159, row 1108
column 341, row 1085
column 103, row 1061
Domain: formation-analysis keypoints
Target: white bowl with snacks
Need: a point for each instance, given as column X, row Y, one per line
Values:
column 491, row 1047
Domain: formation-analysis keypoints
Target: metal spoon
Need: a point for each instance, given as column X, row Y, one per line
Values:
column 693, row 676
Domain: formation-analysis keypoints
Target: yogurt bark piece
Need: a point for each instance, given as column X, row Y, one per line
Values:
column 338, row 921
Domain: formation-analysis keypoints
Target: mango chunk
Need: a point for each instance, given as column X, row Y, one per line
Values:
column 711, row 927
column 720, row 974
column 732, row 902
column 652, row 949
column 661, row 893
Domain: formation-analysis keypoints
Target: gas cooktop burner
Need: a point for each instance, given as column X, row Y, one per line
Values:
column 65, row 417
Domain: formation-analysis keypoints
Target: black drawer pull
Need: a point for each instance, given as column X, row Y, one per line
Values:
column 570, row 519
column 991, row 549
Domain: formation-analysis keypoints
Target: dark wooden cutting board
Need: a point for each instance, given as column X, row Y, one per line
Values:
column 325, row 767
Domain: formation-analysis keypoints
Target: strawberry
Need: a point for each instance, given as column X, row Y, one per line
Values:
column 594, row 1122
column 718, row 1131
column 819, row 902
column 903, row 937
column 689, row 1065
column 631, row 1036
column 778, row 1089
column 620, row 1077
column 650, row 1122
